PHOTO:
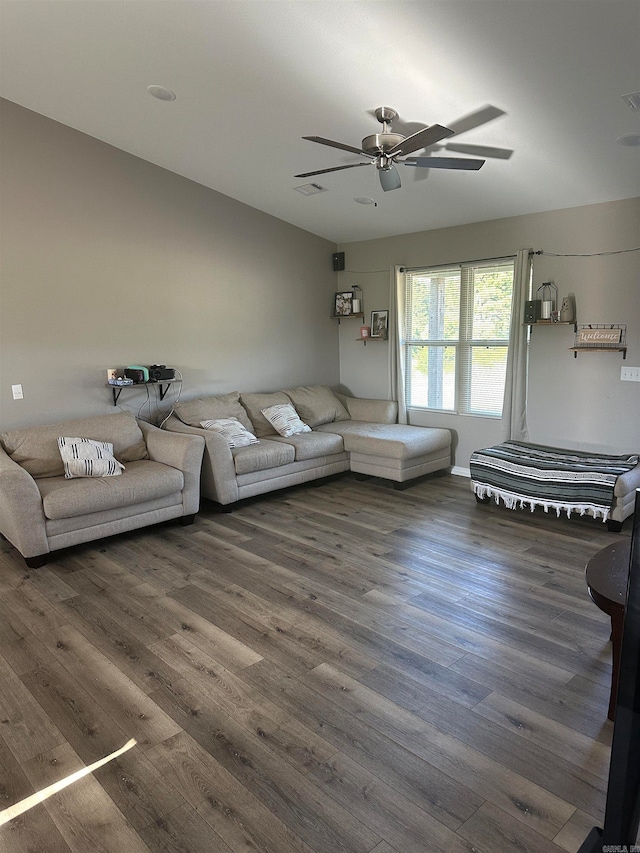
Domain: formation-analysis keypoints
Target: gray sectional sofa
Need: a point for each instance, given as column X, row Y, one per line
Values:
column 348, row 434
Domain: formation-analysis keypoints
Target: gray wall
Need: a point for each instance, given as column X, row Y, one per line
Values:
column 108, row 260
column 573, row 402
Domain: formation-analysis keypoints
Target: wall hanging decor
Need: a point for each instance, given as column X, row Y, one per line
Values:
column 548, row 298
column 342, row 304
column 601, row 337
column 357, row 305
column 379, row 324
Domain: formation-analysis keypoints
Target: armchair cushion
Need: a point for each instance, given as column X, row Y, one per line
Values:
column 142, row 481
column 36, row 448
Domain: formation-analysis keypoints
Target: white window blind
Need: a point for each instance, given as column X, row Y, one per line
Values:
column 457, row 337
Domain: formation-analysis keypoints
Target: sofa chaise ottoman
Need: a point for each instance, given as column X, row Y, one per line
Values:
column 43, row 508
column 347, row 434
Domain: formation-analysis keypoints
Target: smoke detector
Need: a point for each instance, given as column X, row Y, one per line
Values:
column 161, row 93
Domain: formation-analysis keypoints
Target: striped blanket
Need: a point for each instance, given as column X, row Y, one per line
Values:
column 522, row 474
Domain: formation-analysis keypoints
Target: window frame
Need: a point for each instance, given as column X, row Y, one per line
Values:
column 463, row 345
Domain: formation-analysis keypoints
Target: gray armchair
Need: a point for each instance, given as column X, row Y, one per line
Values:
column 42, row 511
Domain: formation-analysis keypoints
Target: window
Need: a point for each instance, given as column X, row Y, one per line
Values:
column 457, row 337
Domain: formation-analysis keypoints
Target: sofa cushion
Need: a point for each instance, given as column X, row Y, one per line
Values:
column 36, row 448
column 372, row 411
column 313, row 445
column 255, row 403
column 142, row 481
column 193, row 412
column 392, row 441
column 317, row 404
column 259, row 457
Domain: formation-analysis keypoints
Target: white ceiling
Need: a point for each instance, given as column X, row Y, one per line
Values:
column 254, row 76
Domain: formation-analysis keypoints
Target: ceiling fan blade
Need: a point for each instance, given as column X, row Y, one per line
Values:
column 479, row 150
column 389, row 179
column 444, row 163
column 334, row 169
column 475, row 119
column 332, row 144
column 421, row 139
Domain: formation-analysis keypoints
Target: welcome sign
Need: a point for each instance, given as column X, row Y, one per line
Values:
column 598, row 336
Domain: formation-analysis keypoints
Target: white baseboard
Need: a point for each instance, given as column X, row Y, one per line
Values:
column 461, row 472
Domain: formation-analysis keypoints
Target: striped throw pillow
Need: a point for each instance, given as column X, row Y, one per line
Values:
column 232, row 430
column 284, row 419
column 84, row 457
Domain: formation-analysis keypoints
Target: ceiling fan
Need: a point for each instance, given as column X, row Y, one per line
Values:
column 387, row 149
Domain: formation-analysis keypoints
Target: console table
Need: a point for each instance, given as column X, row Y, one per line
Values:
column 607, row 577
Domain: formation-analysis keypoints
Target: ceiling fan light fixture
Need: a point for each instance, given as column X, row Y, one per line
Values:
column 379, row 143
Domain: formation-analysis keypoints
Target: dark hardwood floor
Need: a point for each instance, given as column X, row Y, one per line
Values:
column 334, row 669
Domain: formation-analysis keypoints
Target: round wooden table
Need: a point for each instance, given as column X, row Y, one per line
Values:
column 607, row 577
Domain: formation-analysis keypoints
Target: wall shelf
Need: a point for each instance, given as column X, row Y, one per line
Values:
column 365, row 341
column 161, row 384
column 339, row 317
column 552, row 323
column 558, row 323
column 600, row 337
column 576, row 350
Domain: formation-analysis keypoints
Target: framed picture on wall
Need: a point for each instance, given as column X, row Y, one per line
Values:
column 379, row 324
column 342, row 306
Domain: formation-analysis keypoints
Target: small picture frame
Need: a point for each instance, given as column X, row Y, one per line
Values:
column 379, row 324
column 342, row 306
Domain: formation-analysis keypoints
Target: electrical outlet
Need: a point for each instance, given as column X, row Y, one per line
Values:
column 16, row 390
column 630, row 374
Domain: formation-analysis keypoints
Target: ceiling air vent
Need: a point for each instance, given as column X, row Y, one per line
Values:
column 310, row 189
column 632, row 100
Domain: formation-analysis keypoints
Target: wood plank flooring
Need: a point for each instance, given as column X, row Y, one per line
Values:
column 333, row 669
